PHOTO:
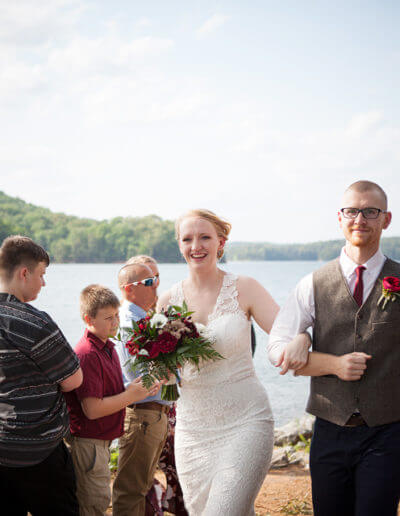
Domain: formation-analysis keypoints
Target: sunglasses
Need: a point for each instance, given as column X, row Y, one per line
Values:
column 147, row 282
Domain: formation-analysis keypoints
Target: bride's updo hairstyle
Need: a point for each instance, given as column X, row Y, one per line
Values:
column 222, row 227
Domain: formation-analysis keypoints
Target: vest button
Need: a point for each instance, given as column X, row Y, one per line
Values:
column 359, row 316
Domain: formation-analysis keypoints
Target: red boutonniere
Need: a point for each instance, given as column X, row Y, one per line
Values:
column 390, row 290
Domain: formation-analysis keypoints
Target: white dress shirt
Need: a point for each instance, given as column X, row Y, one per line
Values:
column 298, row 312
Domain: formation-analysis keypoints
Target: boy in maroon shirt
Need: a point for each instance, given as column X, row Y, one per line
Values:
column 97, row 407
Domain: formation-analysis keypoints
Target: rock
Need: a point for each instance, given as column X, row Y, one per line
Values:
column 279, row 458
column 287, row 455
column 290, row 433
column 299, row 457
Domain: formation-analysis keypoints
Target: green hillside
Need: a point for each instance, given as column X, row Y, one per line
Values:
column 74, row 239
column 314, row 251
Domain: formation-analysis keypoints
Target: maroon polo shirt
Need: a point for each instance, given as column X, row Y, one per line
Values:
column 102, row 377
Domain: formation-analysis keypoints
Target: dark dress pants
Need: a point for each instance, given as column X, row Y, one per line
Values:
column 355, row 471
column 46, row 489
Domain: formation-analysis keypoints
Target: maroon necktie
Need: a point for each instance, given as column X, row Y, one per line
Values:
column 359, row 285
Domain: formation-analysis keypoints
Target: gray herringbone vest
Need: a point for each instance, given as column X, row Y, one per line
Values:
column 341, row 326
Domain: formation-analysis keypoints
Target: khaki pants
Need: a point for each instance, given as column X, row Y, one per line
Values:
column 145, row 432
column 91, row 458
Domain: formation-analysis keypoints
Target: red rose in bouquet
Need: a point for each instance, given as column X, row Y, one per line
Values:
column 153, row 349
column 166, row 342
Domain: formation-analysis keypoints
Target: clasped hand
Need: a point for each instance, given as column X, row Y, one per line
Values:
column 295, row 355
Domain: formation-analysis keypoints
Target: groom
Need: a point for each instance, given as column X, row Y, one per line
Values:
column 354, row 365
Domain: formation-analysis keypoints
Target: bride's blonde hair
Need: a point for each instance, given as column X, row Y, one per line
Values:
column 222, row 226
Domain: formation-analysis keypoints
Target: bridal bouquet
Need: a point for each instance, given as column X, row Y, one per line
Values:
column 162, row 343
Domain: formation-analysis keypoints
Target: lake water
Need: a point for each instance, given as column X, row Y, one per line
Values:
column 60, row 298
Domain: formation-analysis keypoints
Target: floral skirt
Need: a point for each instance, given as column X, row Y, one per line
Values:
column 170, row 499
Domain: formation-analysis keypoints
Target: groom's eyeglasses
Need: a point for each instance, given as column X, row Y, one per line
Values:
column 367, row 213
column 147, row 282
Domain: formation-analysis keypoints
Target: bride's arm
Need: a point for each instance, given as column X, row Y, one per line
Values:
column 289, row 342
column 257, row 302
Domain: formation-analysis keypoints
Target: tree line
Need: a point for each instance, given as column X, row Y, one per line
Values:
column 70, row 239
column 323, row 251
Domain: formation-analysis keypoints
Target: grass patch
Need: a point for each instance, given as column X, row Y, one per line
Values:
column 297, row 507
column 304, row 444
column 113, row 464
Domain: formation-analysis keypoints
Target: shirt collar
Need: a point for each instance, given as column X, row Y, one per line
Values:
column 98, row 342
column 374, row 263
column 5, row 296
column 136, row 311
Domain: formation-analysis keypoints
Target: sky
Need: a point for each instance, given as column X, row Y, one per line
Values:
column 261, row 111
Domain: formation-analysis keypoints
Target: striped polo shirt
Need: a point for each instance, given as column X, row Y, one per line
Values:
column 34, row 358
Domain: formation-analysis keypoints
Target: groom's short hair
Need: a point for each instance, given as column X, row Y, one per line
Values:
column 366, row 186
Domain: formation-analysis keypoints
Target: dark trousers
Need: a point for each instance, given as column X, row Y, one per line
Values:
column 46, row 489
column 355, row 471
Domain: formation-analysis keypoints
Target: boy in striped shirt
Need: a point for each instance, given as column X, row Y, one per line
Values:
column 36, row 365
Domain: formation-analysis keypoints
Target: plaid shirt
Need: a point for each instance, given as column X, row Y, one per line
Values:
column 34, row 358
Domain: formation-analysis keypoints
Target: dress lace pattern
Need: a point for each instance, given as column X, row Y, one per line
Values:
column 224, row 429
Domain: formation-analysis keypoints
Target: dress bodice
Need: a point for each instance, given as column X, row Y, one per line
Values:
column 229, row 329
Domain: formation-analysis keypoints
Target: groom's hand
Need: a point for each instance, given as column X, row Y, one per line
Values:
column 295, row 356
column 351, row 367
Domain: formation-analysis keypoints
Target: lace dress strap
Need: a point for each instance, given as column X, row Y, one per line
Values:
column 227, row 301
column 176, row 297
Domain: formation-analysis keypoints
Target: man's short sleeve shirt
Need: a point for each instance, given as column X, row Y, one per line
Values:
column 34, row 358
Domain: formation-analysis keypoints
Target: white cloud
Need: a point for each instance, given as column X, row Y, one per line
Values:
column 34, row 22
column 104, row 74
column 143, row 22
column 17, row 80
column 212, row 24
column 360, row 124
column 107, row 55
column 146, row 102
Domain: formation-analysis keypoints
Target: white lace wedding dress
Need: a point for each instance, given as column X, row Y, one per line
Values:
column 224, row 429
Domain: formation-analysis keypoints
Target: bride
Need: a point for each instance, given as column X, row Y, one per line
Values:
column 224, row 430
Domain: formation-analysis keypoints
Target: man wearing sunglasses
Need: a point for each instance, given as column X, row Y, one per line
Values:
column 354, row 365
column 146, row 423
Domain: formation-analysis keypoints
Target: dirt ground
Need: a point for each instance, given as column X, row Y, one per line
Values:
column 285, row 491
